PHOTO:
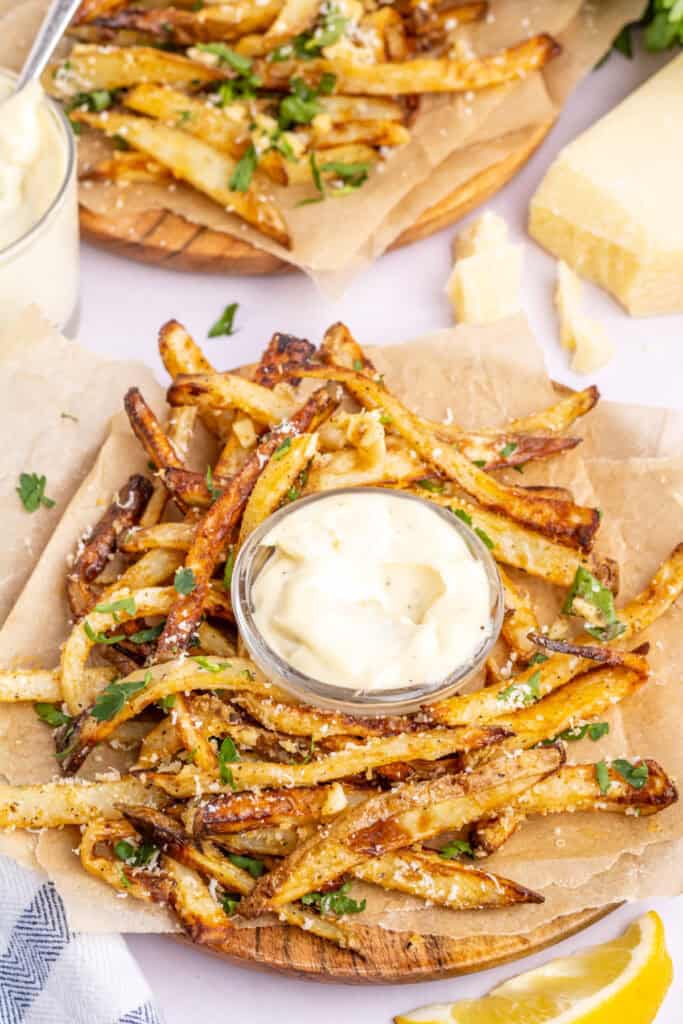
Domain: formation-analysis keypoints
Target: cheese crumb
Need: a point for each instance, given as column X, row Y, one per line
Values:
column 592, row 348
column 485, row 283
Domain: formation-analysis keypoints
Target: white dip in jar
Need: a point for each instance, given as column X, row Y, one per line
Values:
column 39, row 260
column 371, row 591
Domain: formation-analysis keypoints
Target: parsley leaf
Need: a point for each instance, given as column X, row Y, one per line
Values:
column 522, row 694
column 229, row 901
column 508, row 449
column 210, row 666
column 635, row 774
column 300, row 107
column 214, row 491
column 456, row 848
column 358, row 365
column 589, row 590
column 427, row 484
column 538, row 658
column 282, row 449
column 112, row 699
column 334, row 902
column 594, row 731
column 227, row 755
column 95, row 101
column 51, row 714
column 101, row 638
column 240, row 179
column 484, row 538
column 225, row 322
column 353, row 175
column 184, row 581
column 463, row 516
column 250, row 864
column 126, row 604
column 31, row 490
column 237, row 61
column 147, row 636
column 168, row 702
column 602, row 776
column 135, row 856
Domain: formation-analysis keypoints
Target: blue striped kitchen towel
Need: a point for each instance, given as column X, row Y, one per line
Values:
column 48, row 975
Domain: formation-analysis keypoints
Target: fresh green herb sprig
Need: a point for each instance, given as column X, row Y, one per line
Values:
column 115, row 696
column 456, row 848
column 520, row 695
column 225, row 325
column 587, row 588
column 135, row 856
column 31, row 491
column 335, row 902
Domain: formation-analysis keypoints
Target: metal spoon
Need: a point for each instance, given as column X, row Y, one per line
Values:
column 51, row 31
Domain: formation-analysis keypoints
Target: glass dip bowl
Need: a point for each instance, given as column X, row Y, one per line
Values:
column 41, row 266
column 252, row 558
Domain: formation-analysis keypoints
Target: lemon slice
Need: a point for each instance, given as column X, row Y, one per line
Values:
column 624, row 980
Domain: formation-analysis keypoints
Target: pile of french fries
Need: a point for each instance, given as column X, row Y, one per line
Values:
column 232, row 98
column 242, row 801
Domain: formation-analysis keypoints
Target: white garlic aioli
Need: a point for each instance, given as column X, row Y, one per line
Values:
column 371, row 591
column 34, row 163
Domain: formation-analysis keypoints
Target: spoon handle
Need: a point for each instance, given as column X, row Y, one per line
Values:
column 51, row 31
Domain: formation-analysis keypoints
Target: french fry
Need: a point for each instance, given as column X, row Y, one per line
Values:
column 217, row 529
column 209, row 23
column 238, row 812
column 520, row 619
column 573, row 788
column 280, row 482
column 128, row 166
column 558, row 417
column 443, row 882
column 421, row 75
column 395, row 820
column 562, row 520
column 150, row 886
column 195, row 162
column 54, row 804
column 302, row 720
column 228, row 390
column 370, row 133
column 194, row 115
column 98, row 67
column 354, row 759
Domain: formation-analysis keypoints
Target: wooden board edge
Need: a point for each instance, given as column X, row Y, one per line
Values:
column 162, row 238
column 390, row 957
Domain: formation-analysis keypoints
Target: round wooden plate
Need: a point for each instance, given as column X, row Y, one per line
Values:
column 163, row 238
column 390, row 957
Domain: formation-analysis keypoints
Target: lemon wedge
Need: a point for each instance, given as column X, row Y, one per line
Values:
column 620, row 981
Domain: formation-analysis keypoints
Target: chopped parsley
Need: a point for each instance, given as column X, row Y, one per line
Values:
column 484, row 538
column 602, row 776
column 227, row 755
column 31, row 491
column 595, row 731
column 282, row 449
column 635, row 774
column 51, row 714
column 229, row 901
column 479, row 463
column 538, row 658
column 126, row 604
column 184, row 581
column 215, row 492
column 210, row 666
column 112, row 699
column 508, row 449
column 353, row 175
column 300, row 107
column 358, row 365
column 101, row 638
column 236, row 61
column 427, row 484
column 225, row 323
column 456, row 848
column 589, row 590
column 334, row 902
column 240, row 179
column 167, row 703
column 95, row 101
column 463, row 516
column 250, row 864
column 522, row 694
column 135, row 856
column 308, row 45
column 147, row 636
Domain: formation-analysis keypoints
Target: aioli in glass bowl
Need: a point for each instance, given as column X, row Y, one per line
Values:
column 39, row 258
column 366, row 598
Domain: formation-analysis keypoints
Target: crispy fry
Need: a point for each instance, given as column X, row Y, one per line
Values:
column 150, row 886
column 193, row 115
column 520, row 619
column 128, row 166
column 193, row 738
column 303, row 720
column 215, row 22
column 421, row 75
column 149, row 431
column 444, row 882
column 395, row 820
column 232, row 813
column 575, row 788
column 197, row 163
column 353, row 759
column 53, row 804
column 218, row 527
column 284, row 353
column 558, row 417
column 279, row 482
column 371, row 133
column 228, row 390
column 95, row 552
column 561, row 520
column 98, row 67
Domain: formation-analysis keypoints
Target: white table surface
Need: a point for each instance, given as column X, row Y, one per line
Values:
column 123, row 306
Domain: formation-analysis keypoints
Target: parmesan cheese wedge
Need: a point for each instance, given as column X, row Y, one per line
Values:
column 610, row 205
column 484, row 285
column 592, row 348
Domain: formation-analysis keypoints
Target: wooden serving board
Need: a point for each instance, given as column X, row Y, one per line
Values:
column 390, row 957
column 163, row 238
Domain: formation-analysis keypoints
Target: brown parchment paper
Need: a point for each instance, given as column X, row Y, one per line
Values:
column 334, row 240
column 630, row 463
